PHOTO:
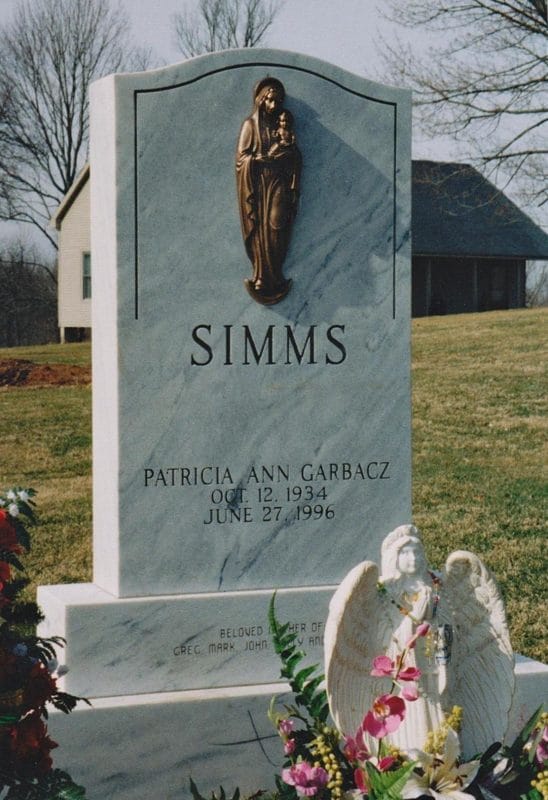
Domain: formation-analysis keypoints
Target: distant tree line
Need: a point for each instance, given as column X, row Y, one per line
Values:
column 28, row 298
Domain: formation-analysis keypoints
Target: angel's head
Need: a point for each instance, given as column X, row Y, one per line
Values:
column 402, row 553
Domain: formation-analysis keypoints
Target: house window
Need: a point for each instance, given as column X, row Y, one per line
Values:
column 86, row 276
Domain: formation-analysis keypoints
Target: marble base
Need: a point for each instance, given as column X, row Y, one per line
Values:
column 140, row 747
column 531, row 692
column 135, row 748
column 171, row 643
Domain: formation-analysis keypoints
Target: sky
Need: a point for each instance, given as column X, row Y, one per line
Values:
column 343, row 32
column 347, row 33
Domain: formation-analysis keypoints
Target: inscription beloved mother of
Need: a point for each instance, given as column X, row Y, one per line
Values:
column 268, row 166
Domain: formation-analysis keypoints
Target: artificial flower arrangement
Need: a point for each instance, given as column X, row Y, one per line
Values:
column 322, row 764
column 28, row 678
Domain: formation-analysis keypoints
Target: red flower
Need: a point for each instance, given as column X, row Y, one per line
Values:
column 30, row 745
column 409, row 674
column 8, row 535
column 40, row 687
column 5, row 577
column 360, row 780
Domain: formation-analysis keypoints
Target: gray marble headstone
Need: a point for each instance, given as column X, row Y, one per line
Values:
column 308, row 463
column 237, row 448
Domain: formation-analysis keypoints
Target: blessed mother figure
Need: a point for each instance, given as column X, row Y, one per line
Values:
column 411, row 599
column 267, row 174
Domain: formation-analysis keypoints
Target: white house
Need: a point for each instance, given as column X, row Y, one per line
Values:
column 74, row 265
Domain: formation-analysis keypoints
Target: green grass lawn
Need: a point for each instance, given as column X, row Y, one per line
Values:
column 479, row 456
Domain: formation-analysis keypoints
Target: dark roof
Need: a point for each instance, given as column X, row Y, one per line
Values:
column 458, row 212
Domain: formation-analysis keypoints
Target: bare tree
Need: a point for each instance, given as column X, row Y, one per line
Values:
column 484, row 82
column 223, row 25
column 49, row 54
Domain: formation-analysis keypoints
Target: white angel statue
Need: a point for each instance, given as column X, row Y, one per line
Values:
column 465, row 659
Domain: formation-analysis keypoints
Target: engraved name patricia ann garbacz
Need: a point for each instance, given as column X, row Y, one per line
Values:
column 268, row 169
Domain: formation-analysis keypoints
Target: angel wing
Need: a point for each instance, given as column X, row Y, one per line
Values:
column 482, row 663
column 351, row 642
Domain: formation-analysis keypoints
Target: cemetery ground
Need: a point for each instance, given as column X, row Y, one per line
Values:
column 479, row 453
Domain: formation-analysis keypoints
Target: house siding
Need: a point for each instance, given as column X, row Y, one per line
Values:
column 74, row 240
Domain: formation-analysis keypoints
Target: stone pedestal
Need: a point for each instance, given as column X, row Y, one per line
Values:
column 135, row 748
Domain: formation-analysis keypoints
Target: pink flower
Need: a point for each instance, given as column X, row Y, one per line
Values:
column 355, row 748
column 383, row 667
column 410, row 692
column 286, row 726
column 409, row 674
column 385, row 717
column 541, row 753
column 306, row 779
column 422, row 630
column 289, row 746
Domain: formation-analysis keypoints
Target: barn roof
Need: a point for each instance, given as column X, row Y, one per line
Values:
column 458, row 212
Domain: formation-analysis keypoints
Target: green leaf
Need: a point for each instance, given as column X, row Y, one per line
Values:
column 312, row 685
column 319, row 708
column 55, row 785
column 272, row 621
column 522, row 738
column 9, row 719
column 388, row 785
column 302, row 675
column 66, row 702
column 194, row 791
column 11, row 558
column 293, row 660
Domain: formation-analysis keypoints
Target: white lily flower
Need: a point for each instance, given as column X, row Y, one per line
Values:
column 2, row 502
column 441, row 778
column 23, row 495
column 11, row 495
column 13, row 510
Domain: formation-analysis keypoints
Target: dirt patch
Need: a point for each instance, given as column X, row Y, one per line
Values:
column 20, row 372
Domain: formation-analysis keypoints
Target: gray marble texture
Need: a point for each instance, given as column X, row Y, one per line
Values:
column 174, row 259
column 163, row 644
column 136, row 748
column 142, row 747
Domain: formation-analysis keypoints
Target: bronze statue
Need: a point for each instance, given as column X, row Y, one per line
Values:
column 268, row 167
